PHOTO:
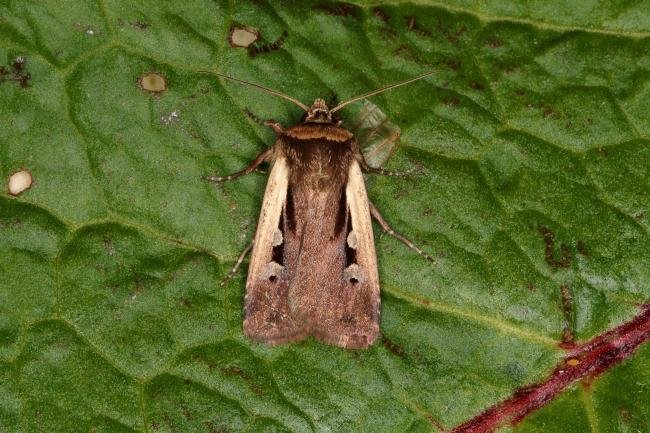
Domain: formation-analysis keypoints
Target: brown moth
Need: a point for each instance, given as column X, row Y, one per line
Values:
column 313, row 269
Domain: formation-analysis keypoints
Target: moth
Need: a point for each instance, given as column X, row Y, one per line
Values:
column 313, row 268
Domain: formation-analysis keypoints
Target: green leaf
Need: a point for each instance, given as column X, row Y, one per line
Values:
column 531, row 146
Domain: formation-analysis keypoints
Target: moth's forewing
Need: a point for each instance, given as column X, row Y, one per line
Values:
column 349, row 315
column 266, row 313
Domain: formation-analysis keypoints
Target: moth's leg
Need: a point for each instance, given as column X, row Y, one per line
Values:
column 387, row 228
column 265, row 155
column 240, row 259
column 275, row 126
column 375, row 170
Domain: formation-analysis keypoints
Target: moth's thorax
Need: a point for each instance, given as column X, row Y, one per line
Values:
column 318, row 131
column 318, row 155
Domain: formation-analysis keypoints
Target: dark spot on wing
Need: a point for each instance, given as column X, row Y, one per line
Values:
column 341, row 215
column 290, row 212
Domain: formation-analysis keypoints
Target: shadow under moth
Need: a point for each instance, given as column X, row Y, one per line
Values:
column 313, row 268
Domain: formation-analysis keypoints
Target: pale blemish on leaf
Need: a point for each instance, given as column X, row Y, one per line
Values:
column 243, row 37
column 172, row 117
column 19, row 182
column 88, row 30
column 152, row 82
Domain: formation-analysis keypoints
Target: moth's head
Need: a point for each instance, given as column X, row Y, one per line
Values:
column 318, row 113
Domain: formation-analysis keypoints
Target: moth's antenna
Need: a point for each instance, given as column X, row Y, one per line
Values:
column 262, row 88
column 380, row 90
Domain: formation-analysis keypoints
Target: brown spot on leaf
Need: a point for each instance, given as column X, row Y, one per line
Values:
column 242, row 37
column 259, row 47
column 434, row 422
column 549, row 112
column 238, row 372
column 549, row 243
column 582, row 248
column 476, row 85
column 494, row 42
column 18, row 64
column 17, row 74
column 186, row 412
column 412, row 26
column 392, row 347
column 108, row 246
column 152, row 82
column 424, row 301
column 451, row 102
column 140, row 25
column 339, row 9
column 185, row 302
column 410, row 22
column 453, row 64
column 625, row 415
column 380, row 14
